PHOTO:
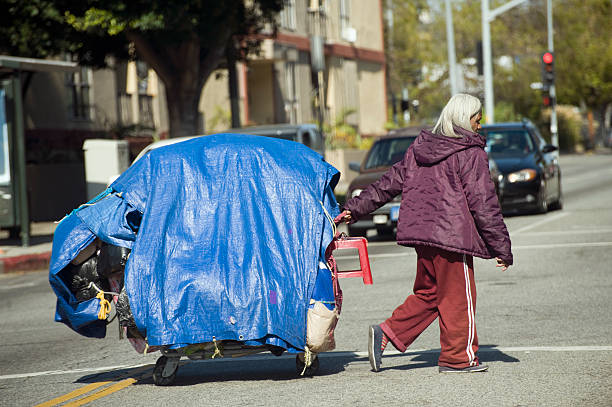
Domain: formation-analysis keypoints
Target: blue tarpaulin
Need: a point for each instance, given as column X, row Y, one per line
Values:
column 227, row 234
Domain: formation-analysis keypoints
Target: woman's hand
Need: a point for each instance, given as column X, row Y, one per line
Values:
column 345, row 216
column 502, row 264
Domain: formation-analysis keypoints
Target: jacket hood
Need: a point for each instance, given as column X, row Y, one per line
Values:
column 430, row 148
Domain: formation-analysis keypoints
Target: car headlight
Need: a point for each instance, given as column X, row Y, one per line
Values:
column 356, row 192
column 522, row 175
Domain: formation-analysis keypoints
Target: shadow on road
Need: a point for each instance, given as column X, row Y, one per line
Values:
column 226, row 370
column 281, row 369
column 429, row 358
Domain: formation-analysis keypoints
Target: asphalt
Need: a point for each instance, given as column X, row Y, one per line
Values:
column 14, row 257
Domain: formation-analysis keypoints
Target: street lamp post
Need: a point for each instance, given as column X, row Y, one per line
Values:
column 488, row 16
column 450, row 45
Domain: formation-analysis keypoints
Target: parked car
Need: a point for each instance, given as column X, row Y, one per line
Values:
column 307, row 134
column 385, row 152
column 531, row 176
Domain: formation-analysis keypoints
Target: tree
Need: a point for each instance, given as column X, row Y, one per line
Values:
column 184, row 41
column 413, row 58
column 583, row 55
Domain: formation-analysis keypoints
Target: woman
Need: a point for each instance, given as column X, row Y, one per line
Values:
column 449, row 212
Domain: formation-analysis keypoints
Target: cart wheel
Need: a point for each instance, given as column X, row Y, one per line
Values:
column 310, row 370
column 165, row 369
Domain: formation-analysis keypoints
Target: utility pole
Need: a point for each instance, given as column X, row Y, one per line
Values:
column 317, row 59
column 488, row 16
column 450, row 45
column 389, row 18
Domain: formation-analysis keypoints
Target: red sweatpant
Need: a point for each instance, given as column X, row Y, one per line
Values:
column 444, row 287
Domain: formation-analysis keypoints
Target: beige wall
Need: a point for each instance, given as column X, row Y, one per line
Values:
column 366, row 19
column 364, row 16
column 104, row 98
column 214, row 102
column 261, row 89
column 341, row 159
column 372, row 96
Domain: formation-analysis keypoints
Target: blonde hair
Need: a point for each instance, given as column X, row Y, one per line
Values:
column 457, row 112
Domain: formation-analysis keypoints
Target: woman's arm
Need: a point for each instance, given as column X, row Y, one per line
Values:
column 378, row 193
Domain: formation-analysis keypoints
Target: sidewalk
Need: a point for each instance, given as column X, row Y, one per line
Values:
column 14, row 257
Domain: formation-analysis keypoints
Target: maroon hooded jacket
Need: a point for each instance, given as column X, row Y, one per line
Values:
column 448, row 198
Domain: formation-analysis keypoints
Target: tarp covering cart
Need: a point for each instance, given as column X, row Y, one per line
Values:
column 208, row 247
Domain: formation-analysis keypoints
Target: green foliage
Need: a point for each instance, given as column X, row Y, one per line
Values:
column 569, row 122
column 221, row 119
column 341, row 134
column 583, row 53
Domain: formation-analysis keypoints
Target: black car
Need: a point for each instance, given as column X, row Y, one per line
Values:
column 529, row 167
column 385, row 152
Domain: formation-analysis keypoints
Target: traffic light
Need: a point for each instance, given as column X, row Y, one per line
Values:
column 546, row 99
column 548, row 70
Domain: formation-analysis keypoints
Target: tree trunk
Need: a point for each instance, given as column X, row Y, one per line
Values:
column 182, row 104
column 233, row 87
column 184, row 70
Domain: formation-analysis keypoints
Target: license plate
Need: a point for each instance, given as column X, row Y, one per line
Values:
column 379, row 219
column 394, row 213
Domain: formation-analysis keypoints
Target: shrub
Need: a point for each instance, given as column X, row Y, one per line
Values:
column 569, row 123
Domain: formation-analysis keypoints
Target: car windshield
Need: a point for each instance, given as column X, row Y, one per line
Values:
column 509, row 142
column 387, row 152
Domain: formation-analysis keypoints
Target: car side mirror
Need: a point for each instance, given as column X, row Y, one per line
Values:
column 354, row 166
column 549, row 148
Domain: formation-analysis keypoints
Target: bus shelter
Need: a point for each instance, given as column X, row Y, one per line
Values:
column 14, row 74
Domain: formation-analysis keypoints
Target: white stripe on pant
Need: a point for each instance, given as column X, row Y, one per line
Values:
column 470, row 310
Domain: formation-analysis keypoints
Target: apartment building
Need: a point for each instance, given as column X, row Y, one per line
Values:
column 327, row 53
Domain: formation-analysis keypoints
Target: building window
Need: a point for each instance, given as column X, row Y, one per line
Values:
column 289, row 15
column 345, row 12
column 145, row 100
column 79, row 87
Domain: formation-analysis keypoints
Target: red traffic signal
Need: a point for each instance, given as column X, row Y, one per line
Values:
column 548, row 70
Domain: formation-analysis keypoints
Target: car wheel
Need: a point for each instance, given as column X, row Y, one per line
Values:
column 542, row 205
column 384, row 230
column 558, row 204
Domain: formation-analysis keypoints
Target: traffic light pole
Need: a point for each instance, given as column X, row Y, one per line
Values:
column 552, row 91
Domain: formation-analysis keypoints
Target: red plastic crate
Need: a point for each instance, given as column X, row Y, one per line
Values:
column 361, row 244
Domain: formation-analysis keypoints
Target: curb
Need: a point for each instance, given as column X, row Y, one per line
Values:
column 26, row 262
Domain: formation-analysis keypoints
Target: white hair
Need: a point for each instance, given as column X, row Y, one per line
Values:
column 457, row 112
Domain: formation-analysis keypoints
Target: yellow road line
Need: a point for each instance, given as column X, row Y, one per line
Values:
column 90, row 387
column 102, row 393
column 73, row 394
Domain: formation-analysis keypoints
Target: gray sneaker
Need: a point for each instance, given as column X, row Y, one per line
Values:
column 469, row 369
column 375, row 346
